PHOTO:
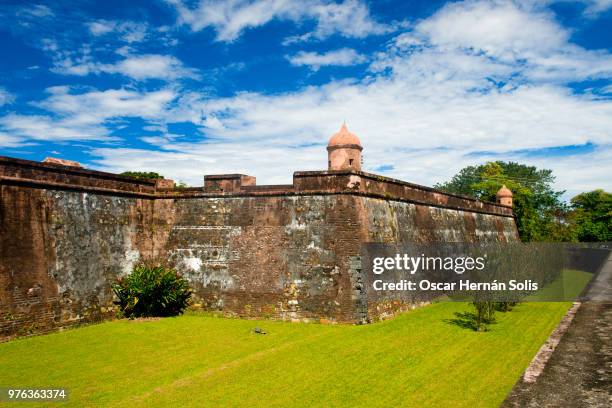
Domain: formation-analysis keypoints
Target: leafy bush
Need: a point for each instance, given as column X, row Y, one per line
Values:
column 152, row 291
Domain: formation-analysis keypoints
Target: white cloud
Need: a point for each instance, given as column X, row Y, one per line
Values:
column 37, row 10
column 83, row 116
column 101, row 27
column 350, row 18
column 189, row 163
column 128, row 31
column 501, row 29
column 6, row 97
column 524, row 37
column 596, row 7
column 139, row 67
column 571, row 63
column 342, row 57
column 7, row 140
column 150, row 66
column 41, row 127
column 95, row 106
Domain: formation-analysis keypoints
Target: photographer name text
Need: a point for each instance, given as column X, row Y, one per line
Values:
column 462, row 285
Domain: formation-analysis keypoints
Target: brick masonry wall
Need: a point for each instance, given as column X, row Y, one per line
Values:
column 285, row 255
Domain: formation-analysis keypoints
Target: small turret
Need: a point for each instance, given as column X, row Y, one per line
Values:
column 504, row 196
column 344, row 151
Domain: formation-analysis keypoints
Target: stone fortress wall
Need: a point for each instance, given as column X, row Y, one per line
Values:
column 275, row 251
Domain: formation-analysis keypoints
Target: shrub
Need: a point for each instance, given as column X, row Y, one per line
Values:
column 152, row 291
column 143, row 175
column 504, row 306
column 485, row 314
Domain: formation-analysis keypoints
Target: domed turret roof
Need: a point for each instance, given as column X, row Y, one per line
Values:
column 344, row 137
column 504, row 192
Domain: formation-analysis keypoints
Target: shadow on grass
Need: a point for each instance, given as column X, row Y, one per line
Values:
column 467, row 320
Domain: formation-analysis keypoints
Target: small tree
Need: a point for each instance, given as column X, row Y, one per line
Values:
column 485, row 314
column 143, row 175
column 592, row 216
column 535, row 202
column 152, row 291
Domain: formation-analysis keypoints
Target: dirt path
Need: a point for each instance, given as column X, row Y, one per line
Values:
column 579, row 372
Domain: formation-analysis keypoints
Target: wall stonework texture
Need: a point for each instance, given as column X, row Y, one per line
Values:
column 289, row 252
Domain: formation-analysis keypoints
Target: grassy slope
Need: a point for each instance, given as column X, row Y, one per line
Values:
column 417, row 359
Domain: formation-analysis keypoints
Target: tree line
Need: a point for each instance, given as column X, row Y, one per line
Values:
column 541, row 214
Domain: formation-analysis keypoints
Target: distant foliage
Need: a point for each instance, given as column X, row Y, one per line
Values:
column 143, row 175
column 592, row 216
column 538, row 207
column 541, row 215
column 152, row 291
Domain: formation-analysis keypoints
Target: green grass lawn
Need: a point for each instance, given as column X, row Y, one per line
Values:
column 416, row 359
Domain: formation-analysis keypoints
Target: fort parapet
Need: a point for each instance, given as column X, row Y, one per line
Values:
column 50, row 176
column 279, row 251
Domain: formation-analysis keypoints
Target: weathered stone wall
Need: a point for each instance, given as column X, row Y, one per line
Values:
column 397, row 222
column 260, row 252
column 60, row 250
column 278, row 256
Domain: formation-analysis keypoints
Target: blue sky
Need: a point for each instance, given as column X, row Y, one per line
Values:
column 205, row 87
